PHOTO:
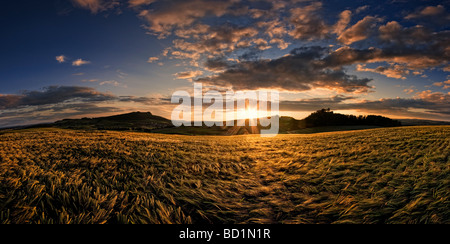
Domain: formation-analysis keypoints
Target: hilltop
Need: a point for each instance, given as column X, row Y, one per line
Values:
column 136, row 121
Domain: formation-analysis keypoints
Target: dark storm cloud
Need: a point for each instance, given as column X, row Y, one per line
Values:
column 419, row 56
column 304, row 69
column 53, row 95
column 217, row 64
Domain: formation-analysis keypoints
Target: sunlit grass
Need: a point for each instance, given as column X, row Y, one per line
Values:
column 394, row 175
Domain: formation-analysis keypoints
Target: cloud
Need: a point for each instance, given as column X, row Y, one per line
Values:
column 282, row 44
column 61, row 59
column 360, row 31
column 113, row 83
column 181, row 13
column 393, row 32
column 96, row 6
column 409, row 90
column 319, row 67
column 150, row 101
column 274, row 28
column 395, row 71
column 430, row 16
column 136, row 3
column 152, row 59
column 420, row 56
column 437, row 97
column 308, row 24
column 362, row 9
column 344, row 20
column 219, row 40
column 428, row 11
column 80, row 62
column 444, row 84
column 217, row 64
column 202, row 29
column 302, row 70
column 52, row 95
column 91, row 80
column 188, row 74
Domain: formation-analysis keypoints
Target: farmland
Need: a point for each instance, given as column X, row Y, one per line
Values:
column 384, row 175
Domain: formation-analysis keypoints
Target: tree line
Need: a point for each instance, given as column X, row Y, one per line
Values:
column 326, row 117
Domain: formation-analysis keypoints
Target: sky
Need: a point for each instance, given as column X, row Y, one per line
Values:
column 88, row 58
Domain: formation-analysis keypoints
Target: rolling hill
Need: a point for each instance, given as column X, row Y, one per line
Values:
column 320, row 121
column 323, row 120
column 135, row 121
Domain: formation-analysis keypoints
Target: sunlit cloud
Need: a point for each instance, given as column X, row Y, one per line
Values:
column 96, row 6
column 188, row 74
column 136, row 3
column 395, row 71
column 113, row 83
column 360, row 31
column 152, row 59
column 444, row 84
column 80, row 62
column 427, row 12
column 61, row 58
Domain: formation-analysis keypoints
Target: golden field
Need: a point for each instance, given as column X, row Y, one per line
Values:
column 388, row 175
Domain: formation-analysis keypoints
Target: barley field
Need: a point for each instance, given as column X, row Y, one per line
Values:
column 389, row 175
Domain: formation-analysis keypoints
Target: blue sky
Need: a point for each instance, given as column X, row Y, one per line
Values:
column 362, row 57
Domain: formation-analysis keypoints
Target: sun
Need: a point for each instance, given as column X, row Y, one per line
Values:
column 251, row 113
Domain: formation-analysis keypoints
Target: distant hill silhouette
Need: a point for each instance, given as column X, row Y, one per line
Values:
column 323, row 120
column 135, row 121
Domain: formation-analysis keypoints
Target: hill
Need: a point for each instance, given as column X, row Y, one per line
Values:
column 388, row 175
column 146, row 122
column 322, row 120
column 136, row 121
